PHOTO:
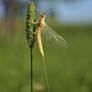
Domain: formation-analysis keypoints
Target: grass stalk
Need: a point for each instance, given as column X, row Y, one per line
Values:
column 31, row 58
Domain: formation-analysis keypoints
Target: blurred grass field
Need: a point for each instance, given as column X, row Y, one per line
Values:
column 69, row 70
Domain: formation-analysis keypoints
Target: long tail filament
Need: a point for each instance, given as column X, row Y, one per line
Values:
column 46, row 75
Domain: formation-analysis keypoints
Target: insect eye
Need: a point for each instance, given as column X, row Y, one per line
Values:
column 42, row 16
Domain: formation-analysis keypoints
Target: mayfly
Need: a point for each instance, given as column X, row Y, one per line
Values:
column 34, row 29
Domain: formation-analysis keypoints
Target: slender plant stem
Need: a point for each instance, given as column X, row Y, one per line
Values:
column 31, row 69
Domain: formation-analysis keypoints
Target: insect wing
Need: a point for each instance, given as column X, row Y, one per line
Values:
column 49, row 36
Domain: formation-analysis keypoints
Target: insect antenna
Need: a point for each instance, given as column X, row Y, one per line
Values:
column 49, row 10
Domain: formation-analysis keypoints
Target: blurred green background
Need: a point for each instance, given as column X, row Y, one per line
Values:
column 69, row 70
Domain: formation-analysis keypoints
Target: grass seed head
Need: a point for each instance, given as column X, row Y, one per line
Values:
column 29, row 23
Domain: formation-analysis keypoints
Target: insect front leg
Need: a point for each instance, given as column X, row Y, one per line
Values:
column 34, row 22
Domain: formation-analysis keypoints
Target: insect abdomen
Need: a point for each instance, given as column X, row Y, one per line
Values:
column 39, row 41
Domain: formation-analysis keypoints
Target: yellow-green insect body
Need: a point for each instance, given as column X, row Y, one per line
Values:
column 39, row 42
column 40, row 26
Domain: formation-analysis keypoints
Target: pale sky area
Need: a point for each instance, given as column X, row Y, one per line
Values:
column 68, row 12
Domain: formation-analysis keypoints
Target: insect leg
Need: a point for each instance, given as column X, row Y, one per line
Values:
column 34, row 22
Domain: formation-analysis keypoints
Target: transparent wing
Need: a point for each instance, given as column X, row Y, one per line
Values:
column 50, row 37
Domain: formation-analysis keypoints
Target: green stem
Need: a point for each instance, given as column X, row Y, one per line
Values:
column 31, row 70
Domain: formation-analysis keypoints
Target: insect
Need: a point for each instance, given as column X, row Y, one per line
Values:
column 44, row 29
column 35, row 30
